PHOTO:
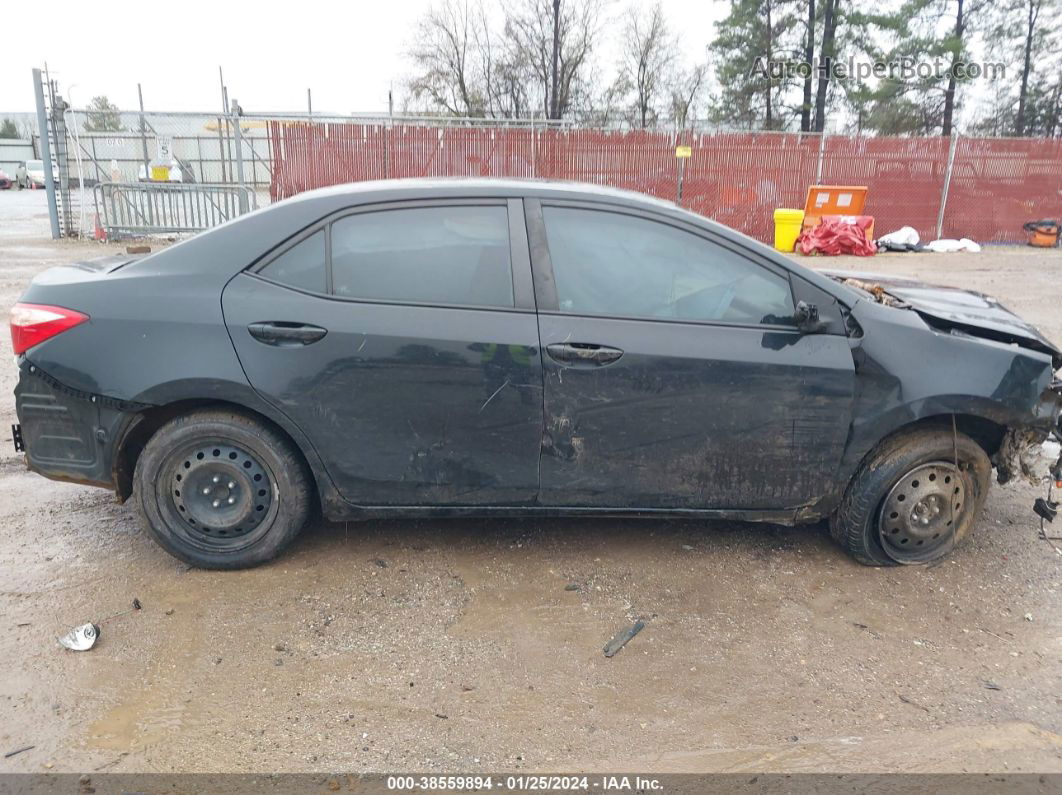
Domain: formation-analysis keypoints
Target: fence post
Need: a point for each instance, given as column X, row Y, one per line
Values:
column 144, row 147
column 237, row 135
column 46, row 153
column 822, row 156
column 947, row 183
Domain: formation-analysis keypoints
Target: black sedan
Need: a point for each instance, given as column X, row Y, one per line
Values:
column 511, row 347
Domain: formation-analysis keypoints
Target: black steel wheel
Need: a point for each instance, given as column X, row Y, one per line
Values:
column 221, row 490
column 913, row 498
column 921, row 512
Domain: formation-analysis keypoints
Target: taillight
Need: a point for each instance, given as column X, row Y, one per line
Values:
column 32, row 324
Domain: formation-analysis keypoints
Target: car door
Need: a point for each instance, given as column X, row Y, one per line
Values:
column 402, row 339
column 674, row 374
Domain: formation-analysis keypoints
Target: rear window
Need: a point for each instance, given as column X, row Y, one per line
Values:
column 439, row 255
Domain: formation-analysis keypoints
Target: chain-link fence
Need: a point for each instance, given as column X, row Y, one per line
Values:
column 961, row 187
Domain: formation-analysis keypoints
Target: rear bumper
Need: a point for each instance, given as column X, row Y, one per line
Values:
column 66, row 434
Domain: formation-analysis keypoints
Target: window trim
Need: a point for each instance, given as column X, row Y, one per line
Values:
column 545, row 282
column 519, row 262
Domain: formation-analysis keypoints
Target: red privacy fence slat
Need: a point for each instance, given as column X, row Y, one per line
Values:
column 735, row 178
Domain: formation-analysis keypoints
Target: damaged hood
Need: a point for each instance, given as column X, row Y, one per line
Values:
column 965, row 310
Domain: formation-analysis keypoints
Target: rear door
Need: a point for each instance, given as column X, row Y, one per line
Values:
column 402, row 339
column 674, row 374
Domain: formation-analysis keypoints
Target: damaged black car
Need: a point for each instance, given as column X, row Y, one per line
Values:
column 489, row 347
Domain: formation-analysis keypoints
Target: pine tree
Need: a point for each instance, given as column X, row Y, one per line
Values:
column 103, row 116
column 752, row 47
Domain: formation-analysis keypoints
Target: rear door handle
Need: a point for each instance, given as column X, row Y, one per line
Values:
column 583, row 354
column 286, row 335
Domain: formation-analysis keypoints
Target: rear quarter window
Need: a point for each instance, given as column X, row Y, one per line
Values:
column 302, row 266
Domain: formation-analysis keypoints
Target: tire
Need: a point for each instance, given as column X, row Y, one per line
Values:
column 219, row 490
column 908, row 503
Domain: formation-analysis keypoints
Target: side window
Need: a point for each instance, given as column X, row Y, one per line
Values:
column 608, row 263
column 446, row 255
column 301, row 266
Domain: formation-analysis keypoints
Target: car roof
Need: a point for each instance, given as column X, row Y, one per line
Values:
column 455, row 187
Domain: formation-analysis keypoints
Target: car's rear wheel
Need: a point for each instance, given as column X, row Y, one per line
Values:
column 220, row 490
column 913, row 499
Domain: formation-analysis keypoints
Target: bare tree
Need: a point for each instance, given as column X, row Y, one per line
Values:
column 648, row 54
column 448, row 51
column 685, row 87
column 555, row 39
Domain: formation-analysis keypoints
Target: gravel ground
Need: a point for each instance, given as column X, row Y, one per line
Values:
column 456, row 645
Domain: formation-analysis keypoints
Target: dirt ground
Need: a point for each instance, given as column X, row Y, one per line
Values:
column 456, row 646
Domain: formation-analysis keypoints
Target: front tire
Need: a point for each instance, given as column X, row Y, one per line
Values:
column 913, row 499
column 219, row 490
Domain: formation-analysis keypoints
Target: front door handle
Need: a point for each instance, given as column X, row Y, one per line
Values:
column 583, row 354
column 286, row 335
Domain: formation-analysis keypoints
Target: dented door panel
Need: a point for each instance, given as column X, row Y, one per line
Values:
column 407, row 405
column 694, row 416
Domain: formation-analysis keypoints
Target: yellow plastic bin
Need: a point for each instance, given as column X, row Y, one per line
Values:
column 787, row 225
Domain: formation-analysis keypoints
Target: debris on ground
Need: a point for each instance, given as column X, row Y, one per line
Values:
column 948, row 245
column 572, row 586
column 903, row 239
column 992, row 686
column 138, row 249
column 622, row 638
column 81, row 638
column 18, row 751
column 912, row 702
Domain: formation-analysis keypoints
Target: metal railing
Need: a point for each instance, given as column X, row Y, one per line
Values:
column 133, row 209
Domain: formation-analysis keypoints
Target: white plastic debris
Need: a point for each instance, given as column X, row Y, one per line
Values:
column 904, row 236
column 947, row 245
column 81, row 638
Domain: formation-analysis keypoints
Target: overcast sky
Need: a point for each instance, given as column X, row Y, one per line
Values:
column 349, row 53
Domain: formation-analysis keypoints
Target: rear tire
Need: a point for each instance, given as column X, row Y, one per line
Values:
column 220, row 490
column 909, row 503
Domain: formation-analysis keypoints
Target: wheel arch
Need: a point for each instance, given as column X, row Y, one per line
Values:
column 988, row 433
column 143, row 424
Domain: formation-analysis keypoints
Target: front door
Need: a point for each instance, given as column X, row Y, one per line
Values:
column 403, row 341
column 674, row 376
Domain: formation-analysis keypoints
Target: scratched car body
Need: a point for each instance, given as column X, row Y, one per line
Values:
column 518, row 347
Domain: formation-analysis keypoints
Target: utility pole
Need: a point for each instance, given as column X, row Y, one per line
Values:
column 46, row 153
column 237, row 134
column 554, row 105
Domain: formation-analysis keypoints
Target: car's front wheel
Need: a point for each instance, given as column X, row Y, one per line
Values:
column 220, row 490
column 913, row 499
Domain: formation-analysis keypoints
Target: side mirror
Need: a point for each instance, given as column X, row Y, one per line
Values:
column 807, row 317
